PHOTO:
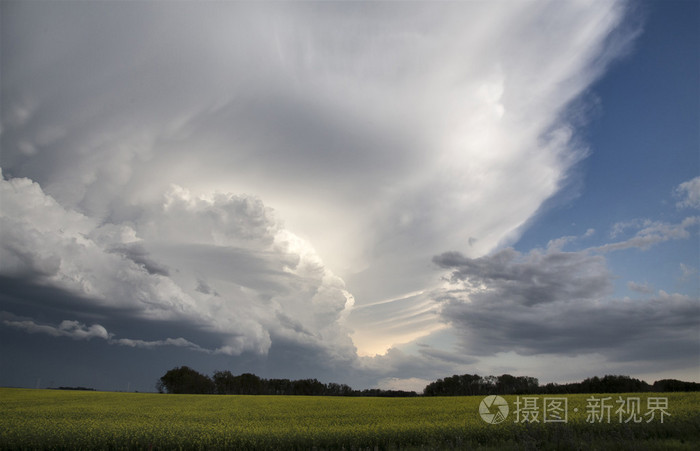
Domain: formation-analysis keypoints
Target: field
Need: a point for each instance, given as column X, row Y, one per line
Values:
column 53, row 419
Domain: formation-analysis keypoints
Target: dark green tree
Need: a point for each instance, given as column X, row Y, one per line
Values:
column 185, row 380
column 225, row 383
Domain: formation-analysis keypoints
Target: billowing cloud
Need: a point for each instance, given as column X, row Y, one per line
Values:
column 554, row 302
column 538, row 278
column 40, row 239
column 262, row 281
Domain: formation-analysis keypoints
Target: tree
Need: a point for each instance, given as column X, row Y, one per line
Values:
column 224, row 382
column 185, row 380
column 308, row 387
column 250, row 384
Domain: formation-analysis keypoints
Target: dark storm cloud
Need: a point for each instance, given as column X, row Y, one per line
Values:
column 33, row 298
column 33, row 306
column 539, row 278
column 553, row 302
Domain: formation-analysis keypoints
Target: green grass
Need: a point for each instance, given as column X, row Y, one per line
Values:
column 51, row 419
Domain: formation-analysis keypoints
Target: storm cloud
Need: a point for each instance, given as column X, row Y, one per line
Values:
column 265, row 184
column 555, row 302
column 267, row 277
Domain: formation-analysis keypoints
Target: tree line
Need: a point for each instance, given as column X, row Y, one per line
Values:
column 186, row 380
column 473, row 384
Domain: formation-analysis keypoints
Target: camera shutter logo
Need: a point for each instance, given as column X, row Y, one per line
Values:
column 493, row 409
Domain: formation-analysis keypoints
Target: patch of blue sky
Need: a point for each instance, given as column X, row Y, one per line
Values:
column 644, row 140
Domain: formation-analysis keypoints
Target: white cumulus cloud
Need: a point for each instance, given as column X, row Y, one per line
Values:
column 263, row 280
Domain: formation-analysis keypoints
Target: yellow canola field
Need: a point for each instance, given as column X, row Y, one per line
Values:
column 54, row 419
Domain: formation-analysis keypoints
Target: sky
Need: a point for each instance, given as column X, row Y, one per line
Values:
column 373, row 193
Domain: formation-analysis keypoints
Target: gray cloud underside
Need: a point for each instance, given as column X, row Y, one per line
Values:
column 539, row 279
column 555, row 302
